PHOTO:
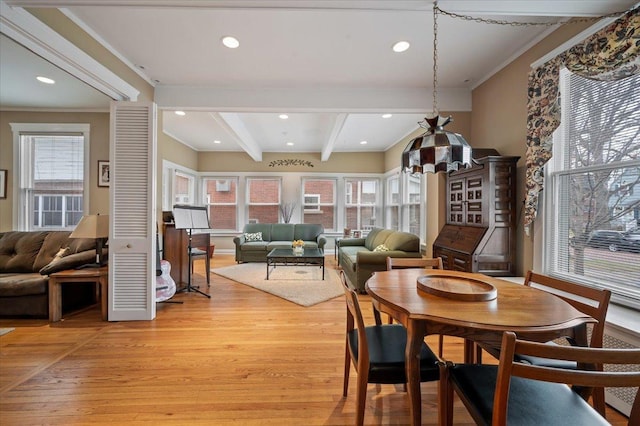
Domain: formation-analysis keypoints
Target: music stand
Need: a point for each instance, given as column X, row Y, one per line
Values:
column 190, row 218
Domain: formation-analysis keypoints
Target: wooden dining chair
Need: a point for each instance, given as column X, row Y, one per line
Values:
column 411, row 262
column 377, row 353
column 591, row 301
column 522, row 394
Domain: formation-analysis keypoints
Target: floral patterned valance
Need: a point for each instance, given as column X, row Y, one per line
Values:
column 609, row 54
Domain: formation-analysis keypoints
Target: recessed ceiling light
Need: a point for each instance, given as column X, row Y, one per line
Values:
column 401, row 46
column 386, row 116
column 363, row 142
column 290, row 143
column 45, row 80
column 283, row 116
column 230, row 42
column 217, row 141
column 181, row 113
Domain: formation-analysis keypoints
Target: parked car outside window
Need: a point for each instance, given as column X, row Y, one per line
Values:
column 615, row 240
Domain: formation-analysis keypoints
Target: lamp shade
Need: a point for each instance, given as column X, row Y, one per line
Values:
column 92, row 226
column 436, row 150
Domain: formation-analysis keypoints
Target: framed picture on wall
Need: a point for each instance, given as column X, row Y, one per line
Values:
column 3, row 184
column 104, row 173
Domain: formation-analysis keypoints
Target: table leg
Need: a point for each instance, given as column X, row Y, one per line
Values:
column 55, row 300
column 469, row 352
column 103, row 282
column 415, row 337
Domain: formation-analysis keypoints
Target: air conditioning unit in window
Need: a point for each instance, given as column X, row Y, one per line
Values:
column 223, row 185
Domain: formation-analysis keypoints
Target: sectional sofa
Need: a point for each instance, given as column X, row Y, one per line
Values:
column 258, row 239
column 27, row 259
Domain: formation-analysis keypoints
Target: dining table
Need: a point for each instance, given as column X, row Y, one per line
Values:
column 476, row 307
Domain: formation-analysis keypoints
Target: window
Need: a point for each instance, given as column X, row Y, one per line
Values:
column 592, row 216
column 412, row 205
column 320, row 202
column 393, row 203
column 263, row 199
column 223, row 202
column 53, row 175
column 361, row 202
column 183, row 188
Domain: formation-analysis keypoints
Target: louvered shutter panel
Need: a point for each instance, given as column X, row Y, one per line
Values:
column 133, row 211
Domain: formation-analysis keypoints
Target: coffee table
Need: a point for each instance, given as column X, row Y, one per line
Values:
column 286, row 257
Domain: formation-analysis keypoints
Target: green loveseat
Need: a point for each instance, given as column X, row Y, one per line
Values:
column 359, row 259
column 275, row 235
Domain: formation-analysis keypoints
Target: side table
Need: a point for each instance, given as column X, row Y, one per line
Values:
column 97, row 276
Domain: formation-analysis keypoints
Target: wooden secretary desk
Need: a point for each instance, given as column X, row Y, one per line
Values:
column 175, row 243
column 479, row 235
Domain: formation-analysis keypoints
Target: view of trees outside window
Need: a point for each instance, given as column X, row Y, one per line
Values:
column 393, row 203
column 221, row 195
column 319, row 202
column 263, row 200
column 54, row 191
column 596, row 178
column 361, row 203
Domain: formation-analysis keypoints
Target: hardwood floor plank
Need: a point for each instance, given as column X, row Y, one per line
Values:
column 242, row 357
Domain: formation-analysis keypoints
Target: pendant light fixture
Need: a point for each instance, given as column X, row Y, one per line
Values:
column 436, row 150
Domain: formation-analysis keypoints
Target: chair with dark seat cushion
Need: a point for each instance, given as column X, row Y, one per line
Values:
column 411, row 262
column 591, row 301
column 521, row 394
column 377, row 353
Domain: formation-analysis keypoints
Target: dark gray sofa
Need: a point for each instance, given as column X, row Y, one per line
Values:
column 27, row 259
column 359, row 260
column 276, row 235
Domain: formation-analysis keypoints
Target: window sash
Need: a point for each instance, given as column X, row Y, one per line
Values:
column 53, row 161
column 593, row 183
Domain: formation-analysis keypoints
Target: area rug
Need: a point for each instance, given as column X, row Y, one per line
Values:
column 4, row 331
column 302, row 285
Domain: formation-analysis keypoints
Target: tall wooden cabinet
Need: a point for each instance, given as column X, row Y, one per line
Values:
column 479, row 235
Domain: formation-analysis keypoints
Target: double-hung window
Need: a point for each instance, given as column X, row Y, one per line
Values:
column 392, row 205
column 53, row 175
column 361, row 203
column 221, row 196
column 263, row 199
column 592, row 215
column 319, row 202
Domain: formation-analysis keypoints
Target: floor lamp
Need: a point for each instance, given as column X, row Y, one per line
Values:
column 190, row 218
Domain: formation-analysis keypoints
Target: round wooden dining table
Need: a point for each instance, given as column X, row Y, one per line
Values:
column 531, row 313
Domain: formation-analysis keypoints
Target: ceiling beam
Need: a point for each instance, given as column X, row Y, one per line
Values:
column 234, row 125
column 30, row 32
column 327, row 147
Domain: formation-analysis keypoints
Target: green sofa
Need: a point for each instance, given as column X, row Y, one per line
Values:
column 359, row 259
column 276, row 235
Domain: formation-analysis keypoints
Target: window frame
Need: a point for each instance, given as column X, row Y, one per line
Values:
column 202, row 180
column 248, row 203
column 22, row 211
column 554, row 233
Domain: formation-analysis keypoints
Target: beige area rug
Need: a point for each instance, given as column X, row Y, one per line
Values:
column 298, row 284
column 4, row 331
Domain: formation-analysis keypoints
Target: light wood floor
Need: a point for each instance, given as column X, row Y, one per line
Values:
column 242, row 357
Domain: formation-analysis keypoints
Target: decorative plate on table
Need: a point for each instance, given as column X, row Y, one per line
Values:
column 457, row 288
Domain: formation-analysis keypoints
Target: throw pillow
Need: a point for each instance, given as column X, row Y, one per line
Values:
column 62, row 253
column 253, row 236
column 381, row 247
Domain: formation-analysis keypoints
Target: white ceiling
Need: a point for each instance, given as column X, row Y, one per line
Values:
column 327, row 64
